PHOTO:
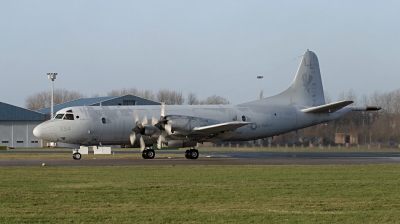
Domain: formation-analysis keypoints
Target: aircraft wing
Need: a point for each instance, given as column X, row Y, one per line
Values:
column 219, row 132
column 328, row 108
column 217, row 128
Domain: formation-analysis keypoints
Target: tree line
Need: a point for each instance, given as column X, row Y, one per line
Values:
column 371, row 127
column 42, row 99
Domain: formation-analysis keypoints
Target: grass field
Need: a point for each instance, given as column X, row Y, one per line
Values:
column 200, row 194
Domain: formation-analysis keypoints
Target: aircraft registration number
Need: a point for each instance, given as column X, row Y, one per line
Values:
column 65, row 128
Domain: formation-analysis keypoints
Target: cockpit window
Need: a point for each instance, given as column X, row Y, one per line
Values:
column 69, row 117
column 59, row 116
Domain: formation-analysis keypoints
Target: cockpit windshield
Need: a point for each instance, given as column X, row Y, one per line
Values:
column 59, row 116
column 69, row 117
column 66, row 117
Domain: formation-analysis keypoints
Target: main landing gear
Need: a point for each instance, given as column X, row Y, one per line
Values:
column 192, row 154
column 148, row 153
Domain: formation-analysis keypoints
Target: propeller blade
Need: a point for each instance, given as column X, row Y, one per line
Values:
column 159, row 142
column 135, row 116
column 132, row 138
column 154, row 121
column 168, row 128
column 162, row 110
column 142, row 144
column 137, row 123
column 145, row 121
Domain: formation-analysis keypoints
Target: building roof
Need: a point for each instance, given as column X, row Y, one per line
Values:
column 101, row 101
column 13, row 113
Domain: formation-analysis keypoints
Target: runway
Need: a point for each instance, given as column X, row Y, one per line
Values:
column 217, row 158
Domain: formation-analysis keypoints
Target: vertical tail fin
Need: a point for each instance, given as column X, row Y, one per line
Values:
column 306, row 89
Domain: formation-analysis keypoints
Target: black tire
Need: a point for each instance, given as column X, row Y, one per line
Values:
column 187, row 154
column 150, row 154
column 76, row 156
column 194, row 154
column 144, row 154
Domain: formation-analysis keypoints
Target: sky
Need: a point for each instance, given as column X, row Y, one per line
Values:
column 206, row 47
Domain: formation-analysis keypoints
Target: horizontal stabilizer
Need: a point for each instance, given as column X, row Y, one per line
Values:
column 328, row 108
column 216, row 128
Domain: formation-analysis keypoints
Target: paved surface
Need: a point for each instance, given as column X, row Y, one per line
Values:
column 219, row 158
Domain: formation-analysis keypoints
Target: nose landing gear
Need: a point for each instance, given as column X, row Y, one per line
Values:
column 76, row 156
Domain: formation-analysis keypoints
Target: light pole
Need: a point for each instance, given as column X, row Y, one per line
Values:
column 259, row 83
column 52, row 77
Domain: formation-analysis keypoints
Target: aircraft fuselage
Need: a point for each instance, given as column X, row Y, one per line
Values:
column 111, row 125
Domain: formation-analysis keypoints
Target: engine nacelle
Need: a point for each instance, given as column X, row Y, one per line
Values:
column 179, row 144
column 150, row 130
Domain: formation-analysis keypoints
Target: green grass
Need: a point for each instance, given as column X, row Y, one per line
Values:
column 200, row 194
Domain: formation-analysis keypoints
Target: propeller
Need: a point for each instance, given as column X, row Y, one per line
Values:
column 136, row 130
column 156, row 127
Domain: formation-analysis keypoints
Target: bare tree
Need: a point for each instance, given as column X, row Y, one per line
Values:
column 364, row 100
column 147, row 94
column 42, row 99
column 349, row 95
column 170, row 97
column 94, row 95
column 327, row 97
column 123, row 91
column 215, row 99
column 192, row 99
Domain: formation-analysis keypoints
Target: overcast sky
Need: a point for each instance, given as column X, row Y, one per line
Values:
column 205, row 47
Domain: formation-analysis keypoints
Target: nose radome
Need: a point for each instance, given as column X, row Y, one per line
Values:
column 37, row 131
column 45, row 131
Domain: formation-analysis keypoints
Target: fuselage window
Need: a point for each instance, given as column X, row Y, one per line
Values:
column 59, row 116
column 77, row 117
column 243, row 118
column 69, row 117
column 103, row 120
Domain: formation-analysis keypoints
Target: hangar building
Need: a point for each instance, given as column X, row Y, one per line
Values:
column 16, row 126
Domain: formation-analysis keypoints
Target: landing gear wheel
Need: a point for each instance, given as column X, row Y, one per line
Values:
column 194, row 153
column 150, row 153
column 144, row 154
column 76, row 156
column 191, row 154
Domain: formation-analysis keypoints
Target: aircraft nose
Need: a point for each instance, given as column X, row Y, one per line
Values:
column 45, row 131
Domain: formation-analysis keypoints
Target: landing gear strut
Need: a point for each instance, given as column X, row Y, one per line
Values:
column 148, row 153
column 192, row 154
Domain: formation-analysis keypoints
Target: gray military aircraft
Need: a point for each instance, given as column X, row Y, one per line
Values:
column 301, row 105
